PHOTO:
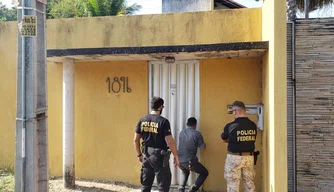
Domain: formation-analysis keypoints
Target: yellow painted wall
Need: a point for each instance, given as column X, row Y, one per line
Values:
column 55, row 117
column 104, row 122
column 123, row 31
column 275, row 97
column 103, row 116
column 8, row 52
column 238, row 25
column 222, row 82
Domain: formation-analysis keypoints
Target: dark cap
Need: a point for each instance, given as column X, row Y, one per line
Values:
column 239, row 104
column 192, row 121
column 156, row 102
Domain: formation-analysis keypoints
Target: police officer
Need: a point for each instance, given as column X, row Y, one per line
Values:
column 157, row 143
column 240, row 136
column 189, row 141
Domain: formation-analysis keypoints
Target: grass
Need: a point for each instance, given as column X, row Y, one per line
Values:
column 7, row 179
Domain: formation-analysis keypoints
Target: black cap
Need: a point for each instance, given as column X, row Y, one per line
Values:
column 192, row 121
column 239, row 104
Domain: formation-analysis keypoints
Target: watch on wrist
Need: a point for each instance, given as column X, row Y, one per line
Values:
column 140, row 155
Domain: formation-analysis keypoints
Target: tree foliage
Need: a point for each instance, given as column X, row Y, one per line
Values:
column 7, row 14
column 76, row 8
column 65, row 9
column 89, row 8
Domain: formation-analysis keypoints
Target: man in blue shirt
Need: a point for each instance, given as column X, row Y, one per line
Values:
column 189, row 141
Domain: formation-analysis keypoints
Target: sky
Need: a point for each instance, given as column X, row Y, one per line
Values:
column 154, row 7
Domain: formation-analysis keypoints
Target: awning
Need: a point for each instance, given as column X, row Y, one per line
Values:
column 180, row 52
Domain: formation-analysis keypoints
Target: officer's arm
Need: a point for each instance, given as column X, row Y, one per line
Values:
column 137, row 143
column 170, row 140
column 224, row 139
column 225, row 134
column 171, row 144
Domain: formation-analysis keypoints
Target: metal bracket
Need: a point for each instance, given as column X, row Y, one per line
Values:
column 253, row 109
column 38, row 117
column 30, row 8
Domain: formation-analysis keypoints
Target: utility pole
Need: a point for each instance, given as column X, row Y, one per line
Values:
column 31, row 162
column 306, row 8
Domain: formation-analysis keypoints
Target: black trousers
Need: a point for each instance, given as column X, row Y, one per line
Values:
column 196, row 167
column 153, row 166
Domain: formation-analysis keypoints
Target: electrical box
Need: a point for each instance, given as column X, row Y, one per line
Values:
column 253, row 109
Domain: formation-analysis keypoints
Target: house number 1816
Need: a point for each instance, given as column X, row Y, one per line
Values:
column 118, row 84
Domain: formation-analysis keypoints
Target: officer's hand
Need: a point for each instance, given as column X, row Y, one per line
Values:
column 176, row 161
column 140, row 159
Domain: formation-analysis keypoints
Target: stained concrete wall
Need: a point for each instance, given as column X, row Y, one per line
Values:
column 156, row 30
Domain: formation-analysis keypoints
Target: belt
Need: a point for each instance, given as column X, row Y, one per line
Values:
column 241, row 153
column 155, row 149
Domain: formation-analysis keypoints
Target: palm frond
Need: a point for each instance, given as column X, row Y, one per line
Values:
column 93, row 7
column 130, row 10
column 116, row 6
column 314, row 4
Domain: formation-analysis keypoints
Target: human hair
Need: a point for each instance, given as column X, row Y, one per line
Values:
column 156, row 102
column 192, row 121
column 239, row 104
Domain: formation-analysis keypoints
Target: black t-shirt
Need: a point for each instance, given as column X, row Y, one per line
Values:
column 241, row 135
column 153, row 130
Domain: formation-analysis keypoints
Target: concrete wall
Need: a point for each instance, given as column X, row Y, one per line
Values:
column 173, row 6
column 222, row 82
column 8, row 52
column 156, row 30
column 314, row 104
column 274, row 97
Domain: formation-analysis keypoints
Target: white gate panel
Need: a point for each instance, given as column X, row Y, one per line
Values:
column 178, row 85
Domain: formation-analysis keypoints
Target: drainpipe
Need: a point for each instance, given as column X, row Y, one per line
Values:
column 191, row 90
column 68, row 124
column 165, row 89
column 23, row 76
column 156, row 82
column 173, row 111
column 181, row 86
column 190, row 102
column 294, row 106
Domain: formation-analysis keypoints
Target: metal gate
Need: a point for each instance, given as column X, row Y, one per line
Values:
column 178, row 85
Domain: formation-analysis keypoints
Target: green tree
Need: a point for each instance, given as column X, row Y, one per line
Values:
column 293, row 5
column 7, row 14
column 110, row 7
column 66, row 9
column 89, row 8
column 131, row 10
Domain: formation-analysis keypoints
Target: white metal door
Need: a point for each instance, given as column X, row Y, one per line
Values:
column 178, row 85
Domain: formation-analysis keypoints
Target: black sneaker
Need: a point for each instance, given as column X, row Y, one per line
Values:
column 193, row 188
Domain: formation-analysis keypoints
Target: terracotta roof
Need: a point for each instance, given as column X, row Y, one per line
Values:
column 231, row 4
